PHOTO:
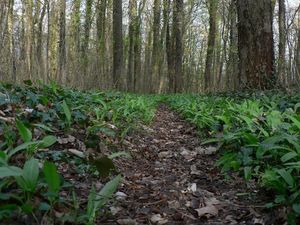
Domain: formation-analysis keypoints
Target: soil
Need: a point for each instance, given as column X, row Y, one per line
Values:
column 172, row 179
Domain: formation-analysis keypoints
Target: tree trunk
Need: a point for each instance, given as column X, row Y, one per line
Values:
column 298, row 57
column 212, row 8
column 155, row 46
column 256, row 46
column 177, row 29
column 86, row 35
column 118, row 43
column 170, row 57
column 101, row 29
column 131, row 37
column 12, row 41
column 232, row 74
column 29, row 36
column 282, row 43
column 61, row 72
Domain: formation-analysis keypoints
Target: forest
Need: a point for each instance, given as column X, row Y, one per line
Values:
column 129, row 112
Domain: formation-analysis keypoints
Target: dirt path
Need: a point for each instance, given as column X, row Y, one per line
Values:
column 172, row 181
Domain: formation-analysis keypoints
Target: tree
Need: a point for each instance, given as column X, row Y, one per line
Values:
column 101, row 29
column 131, row 36
column 212, row 9
column 232, row 81
column 61, row 73
column 255, row 43
column 298, row 56
column 155, row 46
column 282, row 42
column 118, row 43
column 178, row 51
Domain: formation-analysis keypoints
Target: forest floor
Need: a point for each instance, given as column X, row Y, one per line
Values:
column 172, row 179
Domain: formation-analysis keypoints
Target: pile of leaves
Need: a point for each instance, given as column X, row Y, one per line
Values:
column 258, row 135
column 49, row 132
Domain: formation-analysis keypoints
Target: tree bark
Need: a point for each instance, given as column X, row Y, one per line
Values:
column 118, row 43
column 178, row 29
column 155, row 46
column 212, row 9
column 282, row 43
column 256, row 46
column 232, row 73
column 61, row 72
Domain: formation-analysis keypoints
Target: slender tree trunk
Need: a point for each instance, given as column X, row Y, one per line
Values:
column 232, row 74
column 178, row 33
column 138, row 46
column 118, row 43
column 131, row 37
column 101, row 30
column 256, row 46
column 155, row 46
column 170, row 58
column 29, row 36
column 39, row 45
column 298, row 57
column 86, row 40
column 47, row 78
column 12, row 41
column 212, row 8
column 282, row 43
column 61, row 72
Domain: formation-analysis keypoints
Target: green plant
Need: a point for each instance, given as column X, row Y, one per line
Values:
column 96, row 201
column 53, row 181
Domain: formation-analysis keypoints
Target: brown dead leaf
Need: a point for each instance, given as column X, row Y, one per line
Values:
column 127, row 222
column 206, row 151
column 77, row 153
column 207, row 211
column 69, row 139
column 158, row 219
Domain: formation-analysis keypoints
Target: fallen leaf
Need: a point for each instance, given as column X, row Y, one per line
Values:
column 206, row 151
column 158, row 219
column 120, row 196
column 114, row 210
column 76, row 153
column 194, row 170
column 192, row 188
column 126, row 222
column 174, row 204
column 165, row 154
column 207, row 211
column 69, row 139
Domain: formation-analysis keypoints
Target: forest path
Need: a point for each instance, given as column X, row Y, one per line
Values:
column 172, row 180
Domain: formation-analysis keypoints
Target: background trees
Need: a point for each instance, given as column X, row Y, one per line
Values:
column 151, row 46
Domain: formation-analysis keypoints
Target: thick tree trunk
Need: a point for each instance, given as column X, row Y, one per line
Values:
column 118, row 43
column 256, row 46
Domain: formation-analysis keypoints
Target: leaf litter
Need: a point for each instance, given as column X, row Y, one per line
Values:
column 172, row 179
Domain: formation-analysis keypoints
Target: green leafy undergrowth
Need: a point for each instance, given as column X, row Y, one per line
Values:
column 44, row 129
column 258, row 135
